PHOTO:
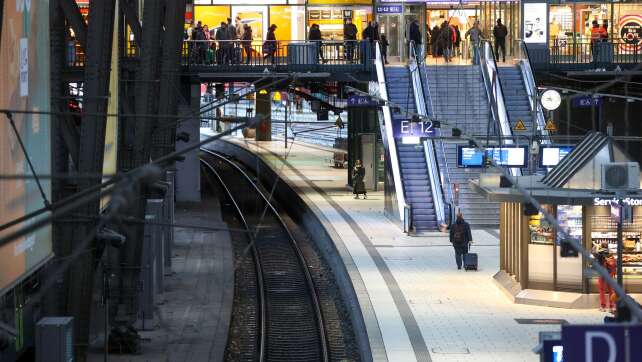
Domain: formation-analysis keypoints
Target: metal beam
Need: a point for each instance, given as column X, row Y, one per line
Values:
column 73, row 16
column 127, row 7
column 164, row 138
column 90, row 160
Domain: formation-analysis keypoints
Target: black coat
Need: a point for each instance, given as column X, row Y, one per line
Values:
column 415, row 34
column 358, row 186
column 314, row 34
column 350, row 32
column 468, row 236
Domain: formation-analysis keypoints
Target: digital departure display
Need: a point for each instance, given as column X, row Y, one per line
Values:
column 551, row 156
column 503, row 156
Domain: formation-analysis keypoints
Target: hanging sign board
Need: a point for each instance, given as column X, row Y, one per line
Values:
column 412, row 128
column 389, row 9
column 361, row 101
column 586, row 102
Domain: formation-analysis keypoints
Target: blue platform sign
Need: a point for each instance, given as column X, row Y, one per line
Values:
column 601, row 342
column 409, row 128
column 361, row 101
column 586, row 102
column 389, row 9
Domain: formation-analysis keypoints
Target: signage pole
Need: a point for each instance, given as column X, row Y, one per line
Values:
column 619, row 244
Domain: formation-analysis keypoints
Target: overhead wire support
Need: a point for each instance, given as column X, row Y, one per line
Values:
column 9, row 115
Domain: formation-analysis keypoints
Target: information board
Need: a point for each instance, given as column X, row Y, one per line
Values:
column 503, row 156
column 552, row 155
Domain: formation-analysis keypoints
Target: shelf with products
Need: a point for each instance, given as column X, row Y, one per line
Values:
column 541, row 231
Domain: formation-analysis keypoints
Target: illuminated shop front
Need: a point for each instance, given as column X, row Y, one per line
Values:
column 394, row 17
column 588, row 211
column 293, row 18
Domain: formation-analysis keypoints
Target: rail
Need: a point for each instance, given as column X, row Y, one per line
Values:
column 526, row 68
column 571, row 54
column 257, row 263
column 244, row 55
column 495, row 93
column 414, row 65
column 304, row 266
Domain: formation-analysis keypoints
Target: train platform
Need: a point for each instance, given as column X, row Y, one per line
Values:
column 416, row 305
column 192, row 320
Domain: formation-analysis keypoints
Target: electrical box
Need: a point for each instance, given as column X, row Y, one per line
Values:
column 55, row 339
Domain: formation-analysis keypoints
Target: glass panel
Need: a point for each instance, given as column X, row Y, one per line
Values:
column 331, row 19
column 542, row 231
column 289, row 21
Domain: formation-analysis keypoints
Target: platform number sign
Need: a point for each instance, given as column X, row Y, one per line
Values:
column 415, row 127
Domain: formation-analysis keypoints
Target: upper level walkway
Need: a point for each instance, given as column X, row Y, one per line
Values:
column 336, row 60
column 416, row 305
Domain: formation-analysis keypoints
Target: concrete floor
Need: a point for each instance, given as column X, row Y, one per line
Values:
column 195, row 308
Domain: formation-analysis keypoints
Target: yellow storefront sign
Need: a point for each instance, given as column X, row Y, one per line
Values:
column 341, row 2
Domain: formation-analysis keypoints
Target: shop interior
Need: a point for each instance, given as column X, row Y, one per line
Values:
column 332, row 18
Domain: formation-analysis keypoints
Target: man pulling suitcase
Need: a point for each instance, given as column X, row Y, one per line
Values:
column 461, row 237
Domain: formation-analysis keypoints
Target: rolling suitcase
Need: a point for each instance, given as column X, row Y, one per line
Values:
column 470, row 261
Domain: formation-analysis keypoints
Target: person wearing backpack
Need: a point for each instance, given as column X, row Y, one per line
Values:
column 460, row 237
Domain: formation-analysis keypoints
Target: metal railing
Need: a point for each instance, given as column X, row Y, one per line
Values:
column 414, row 65
column 386, row 130
column 526, row 68
column 241, row 54
column 603, row 53
column 495, row 93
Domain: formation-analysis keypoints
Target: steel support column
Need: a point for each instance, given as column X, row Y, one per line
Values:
column 72, row 13
column 131, row 18
column 92, row 144
column 163, row 140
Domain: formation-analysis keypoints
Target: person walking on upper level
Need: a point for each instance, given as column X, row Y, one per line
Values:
column 384, row 48
column 350, row 37
column 500, row 32
column 597, row 35
column 475, row 35
column 446, row 41
column 358, row 174
column 461, row 237
column 270, row 45
column 246, row 41
column 435, row 39
column 315, row 37
column 414, row 36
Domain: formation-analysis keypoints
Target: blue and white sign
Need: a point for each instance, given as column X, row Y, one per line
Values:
column 361, row 101
column 601, row 342
column 586, row 102
column 389, row 9
column 409, row 128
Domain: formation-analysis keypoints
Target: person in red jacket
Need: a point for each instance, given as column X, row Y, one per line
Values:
column 597, row 34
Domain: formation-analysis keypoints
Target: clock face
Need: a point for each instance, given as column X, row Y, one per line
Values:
column 551, row 99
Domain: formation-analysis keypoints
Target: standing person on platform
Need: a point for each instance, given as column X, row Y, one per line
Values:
column 240, row 29
column 475, row 35
column 460, row 237
column 434, row 37
column 350, row 37
column 270, row 45
column 358, row 174
column 500, row 32
column 604, row 258
column 414, row 35
column 314, row 35
column 246, row 41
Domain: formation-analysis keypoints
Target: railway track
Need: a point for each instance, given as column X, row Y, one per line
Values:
column 285, row 319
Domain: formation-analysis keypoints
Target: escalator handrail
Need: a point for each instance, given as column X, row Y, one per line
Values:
column 531, row 89
column 388, row 137
column 429, row 151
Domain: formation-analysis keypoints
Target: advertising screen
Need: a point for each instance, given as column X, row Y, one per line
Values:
column 503, row 156
column 551, row 156
column 24, row 77
column 535, row 24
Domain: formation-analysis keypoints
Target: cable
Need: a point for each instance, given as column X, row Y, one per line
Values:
column 26, row 155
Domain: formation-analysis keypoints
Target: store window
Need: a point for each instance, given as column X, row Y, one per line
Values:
column 212, row 16
column 331, row 19
column 561, row 25
column 289, row 21
column 604, row 238
column 569, row 218
column 542, row 232
column 585, row 14
column 627, row 25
